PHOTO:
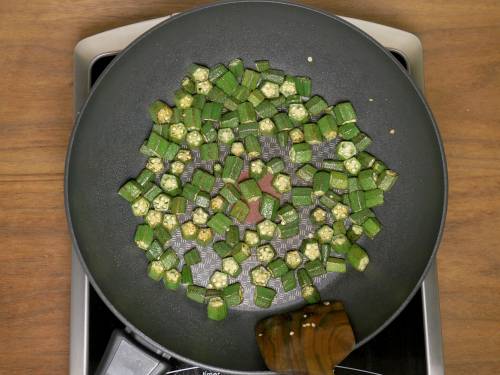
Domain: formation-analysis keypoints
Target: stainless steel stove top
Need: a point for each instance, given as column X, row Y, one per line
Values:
column 97, row 48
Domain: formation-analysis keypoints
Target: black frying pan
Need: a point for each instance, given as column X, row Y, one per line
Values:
column 347, row 64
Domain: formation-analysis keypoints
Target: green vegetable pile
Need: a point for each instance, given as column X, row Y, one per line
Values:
column 233, row 108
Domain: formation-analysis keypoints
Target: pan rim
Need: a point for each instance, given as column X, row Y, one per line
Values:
column 124, row 52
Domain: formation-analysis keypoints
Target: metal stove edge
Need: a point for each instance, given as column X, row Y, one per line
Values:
column 111, row 42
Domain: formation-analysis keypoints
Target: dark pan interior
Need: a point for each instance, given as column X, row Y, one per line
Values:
column 346, row 65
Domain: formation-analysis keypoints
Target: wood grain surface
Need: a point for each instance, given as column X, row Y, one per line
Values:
column 37, row 37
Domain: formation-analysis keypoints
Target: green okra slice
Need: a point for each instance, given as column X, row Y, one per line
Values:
column 219, row 223
column 250, row 190
column 358, row 258
column 264, row 296
column 233, row 165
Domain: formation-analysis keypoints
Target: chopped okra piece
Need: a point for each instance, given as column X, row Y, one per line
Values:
column 216, row 95
column 211, row 112
column 257, row 169
column 155, row 270
column 251, row 238
column 269, row 206
column 250, row 79
column 227, row 83
column 360, row 216
column 288, row 281
column 302, row 196
column 357, row 201
column 236, row 67
column 189, row 230
column 233, row 166
column 209, row 151
column 219, row 223
column 252, row 146
column 196, row 293
column 190, row 191
column 265, row 109
column 304, row 86
column 177, row 168
column 170, row 222
column 345, row 150
column 209, row 133
column 277, row 267
column 155, row 165
column 178, row 205
column 239, row 211
column 340, row 211
column 339, row 180
column 361, row 141
column 186, row 275
column 202, row 88
column 296, row 135
column 288, row 230
column 204, row 180
column 310, row 249
column 170, row 184
column 222, row 248
column 169, row 259
column 237, row 149
column 330, row 199
column 288, row 87
column 324, row 234
column 282, row 183
column 318, row 216
column 250, row 190
column 233, row 294
column 265, row 253
column 130, row 191
column 216, row 72
column 154, row 218
column 379, row 166
column 219, row 280
column 260, row 275
column 198, row 72
column 333, row 165
column 217, row 309
column 312, row 134
column 339, row 227
column 140, row 206
column 267, row 127
column 326, row 250
column 355, row 232
column 200, row 216
column 344, row 113
column 156, row 145
column 275, row 165
column 248, row 129
column 177, row 132
column 194, row 139
column 371, row 227
column 282, row 122
column 191, row 117
column 366, row 159
column 358, row 258
column 262, row 65
column 293, row 259
column 298, row 113
column 270, row 89
column 231, row 266
column 160, row 112
column 154, row 250
column 204, row 237
column 304, row 278
column 256, row 97
column 374, row 198
column 192, row 257
column 144, row 177
column 218, row 204
column 282, row 138
column 321, row 183
column 310, row 294
column 273, row 75
column 352, row 165
column 266, row 229
column 246, row 113
column 328, row 127
column 341, row 243
column 306, row 172
column 143, row 236
column 292, row 99
column 264, row 296
column 387, row 179
column 229, row 191
column 184, row 156
column 301, row 153
column 316, row 105
column 367, row 179
column 348, row 132
column 335, row 265
column 315, row 268
column 230, row 120
column 241, row 252
column 288, row 214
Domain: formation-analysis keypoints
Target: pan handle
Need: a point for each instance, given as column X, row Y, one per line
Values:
column 124, row 356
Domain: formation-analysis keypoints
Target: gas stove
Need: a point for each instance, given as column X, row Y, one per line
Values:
column 411, row 344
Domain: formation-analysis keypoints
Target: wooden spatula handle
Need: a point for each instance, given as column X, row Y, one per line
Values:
column 309, row 341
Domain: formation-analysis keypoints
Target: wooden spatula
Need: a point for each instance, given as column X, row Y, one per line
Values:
column 309, row 341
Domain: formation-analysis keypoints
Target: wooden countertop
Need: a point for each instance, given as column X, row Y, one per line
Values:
column 37, row 38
